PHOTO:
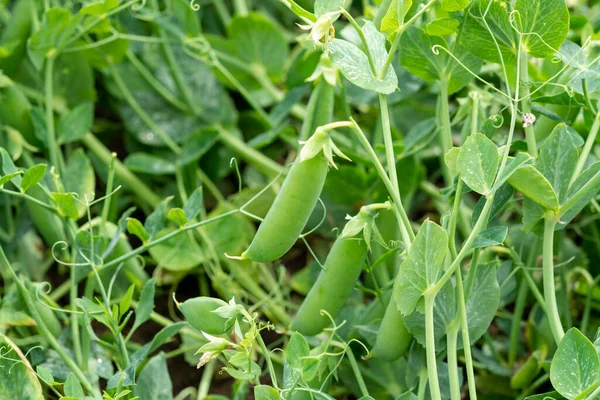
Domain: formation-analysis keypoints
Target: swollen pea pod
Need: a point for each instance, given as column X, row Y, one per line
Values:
column 296, row 200
column 319, row 110
column 342, row 269
column 199, row 312
column 393, row 339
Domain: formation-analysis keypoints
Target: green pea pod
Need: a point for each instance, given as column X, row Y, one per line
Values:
column 49, row 319
column 393, row 339
column 333, row 286
column 290, row 211
column 15, row 112
column 14, row 37
column 48, row 224
column 528, row 371
column 319, row 109
column 199, row 313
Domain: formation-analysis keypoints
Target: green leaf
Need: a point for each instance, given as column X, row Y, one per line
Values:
column 9, row 177
column 454, row 5
column 394, row 17
column 99, row 7
column 418, row 57
column 325, row 6
column 483, row 301
column 149, row 164
column 73, row 126
column 146, row 304
column 194, row 205
column 579, row 183
column 135, row 227
column 154, row 382
column 21, row 383
column 38, row 120
column 529, row 181
column 65, row 203
column 125, row 302
column 179, row 253
column 515, row 163
column 501, row 198
column 296, row 350
column 546, row 23
column 354, row 64
column 557, row 160
column 264, row 392
column 575, row 365
column 231, row 234
column 480, row 41
column 490, row 237
column 177, row 215
column 32, row 176
column 56, row 28
column 442, row 27
column 477, row 163
column 44, row 374
column 451, row 157
column 260, row 43
column 197, row 145
column 422, row 268
column 79, row 177
column 72, row 387
column 156, row 221
column 9, row 170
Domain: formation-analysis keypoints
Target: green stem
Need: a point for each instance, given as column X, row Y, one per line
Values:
column 590, row 186
column 240, row 6
column 548, row 275
column 224, row 15
column 248, row 154
column 44, row 330
column 122, row 173
column 451, row 340
column 406, row 231
column 445, row 130
column 454, row 218
column 434, row 383
column 464, row 325
column 515, row 329
column 53, row 149
column 357, row 374
column 207, row 376
column 526, row 103
column 267, row 356
column 585, row 153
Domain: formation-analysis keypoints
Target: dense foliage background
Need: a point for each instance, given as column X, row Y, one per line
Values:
column 451, row 145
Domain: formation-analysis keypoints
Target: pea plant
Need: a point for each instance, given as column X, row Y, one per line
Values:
column 299, row 199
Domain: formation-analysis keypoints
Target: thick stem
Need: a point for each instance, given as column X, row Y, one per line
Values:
column 53, row 148
column 548, row 275
column 464, row 325
column 526, row 103
column 445, row 130
column 434, row 383
column 451, row 340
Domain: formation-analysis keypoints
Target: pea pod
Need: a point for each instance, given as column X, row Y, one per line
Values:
column 337, row 279
column 393, row 339
column 199, row 313
column 296, row 200
column 48, row 224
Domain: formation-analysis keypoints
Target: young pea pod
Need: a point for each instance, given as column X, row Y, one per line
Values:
column 393, row 339
column 199, row 312
column 296, row 200
column 337, row 279
column 49, row 225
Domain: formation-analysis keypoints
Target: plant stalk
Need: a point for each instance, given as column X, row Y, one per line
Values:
column 548, row 278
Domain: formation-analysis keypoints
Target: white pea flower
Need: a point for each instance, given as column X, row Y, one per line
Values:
column 321, row 28
column 528, row 120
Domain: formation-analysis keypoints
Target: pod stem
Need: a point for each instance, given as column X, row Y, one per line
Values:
column 548, row 278
column 434, row 383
